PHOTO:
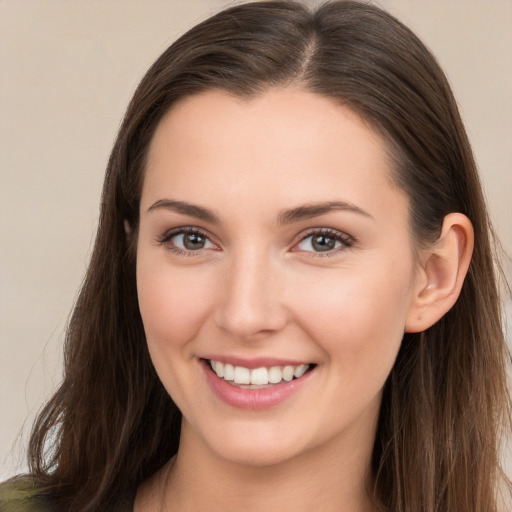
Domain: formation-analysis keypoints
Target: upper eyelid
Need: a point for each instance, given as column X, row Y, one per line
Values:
column 164, row 240
column 347, row 242
column 326, row 231
column 184, row 229
column 340, row 235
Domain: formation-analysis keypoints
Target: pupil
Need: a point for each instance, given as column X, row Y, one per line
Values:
column 323, row 243
column 193, row 241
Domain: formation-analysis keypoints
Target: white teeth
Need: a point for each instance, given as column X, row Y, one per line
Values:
column 299, row 370
column 275, row 375
column 242, row 375
column 229, row 372
column 258, row 376
column 288, row 373
column 219, row 368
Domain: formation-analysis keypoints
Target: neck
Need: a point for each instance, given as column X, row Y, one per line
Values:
column 332, row 477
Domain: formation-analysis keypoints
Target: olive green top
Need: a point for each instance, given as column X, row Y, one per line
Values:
column 23, row 494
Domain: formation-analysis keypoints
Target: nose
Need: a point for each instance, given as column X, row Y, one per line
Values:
column 252, row 298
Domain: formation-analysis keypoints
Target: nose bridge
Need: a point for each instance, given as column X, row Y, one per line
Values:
column 251, row 301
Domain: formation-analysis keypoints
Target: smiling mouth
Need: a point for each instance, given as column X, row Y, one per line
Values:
column 257, row 378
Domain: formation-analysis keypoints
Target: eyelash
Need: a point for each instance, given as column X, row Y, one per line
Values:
column 345, row 240
column 165, row 239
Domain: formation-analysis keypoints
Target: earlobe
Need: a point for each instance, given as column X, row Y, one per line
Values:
column 127, row 228
column 442, row 271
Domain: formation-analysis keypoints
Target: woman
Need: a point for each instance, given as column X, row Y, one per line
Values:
column 292, row 299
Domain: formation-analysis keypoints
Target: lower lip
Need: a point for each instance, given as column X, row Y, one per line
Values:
column 253, row 399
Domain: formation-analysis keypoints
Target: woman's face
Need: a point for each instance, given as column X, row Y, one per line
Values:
column 273, row 245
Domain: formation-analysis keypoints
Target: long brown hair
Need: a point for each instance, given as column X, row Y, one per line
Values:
column 112, row 424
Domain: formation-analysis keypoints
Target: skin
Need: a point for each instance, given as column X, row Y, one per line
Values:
column 258, row 288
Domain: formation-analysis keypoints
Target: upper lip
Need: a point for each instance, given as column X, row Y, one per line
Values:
column 258, row 362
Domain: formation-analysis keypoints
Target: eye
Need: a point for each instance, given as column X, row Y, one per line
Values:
column 187, row 241
column 325, row 241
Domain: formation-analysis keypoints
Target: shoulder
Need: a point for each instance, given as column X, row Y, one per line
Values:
column 24, row 495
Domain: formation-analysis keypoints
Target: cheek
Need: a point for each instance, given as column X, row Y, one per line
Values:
column 357, row 318
column 172, row 304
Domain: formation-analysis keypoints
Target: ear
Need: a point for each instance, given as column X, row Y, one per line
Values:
column 441, row 273
column 127, row 228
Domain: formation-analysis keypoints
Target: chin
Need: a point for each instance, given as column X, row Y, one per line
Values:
column 257, row 454
column 248, row 445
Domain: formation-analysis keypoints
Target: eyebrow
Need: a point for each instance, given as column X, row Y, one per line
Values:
column 316, row 209
column 189, row 209
column 284, row 217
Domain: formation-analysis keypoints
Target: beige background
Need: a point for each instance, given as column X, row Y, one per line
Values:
column 67, row 70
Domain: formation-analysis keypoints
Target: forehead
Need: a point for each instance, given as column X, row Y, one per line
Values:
column 306, row 146
column 299, row 118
